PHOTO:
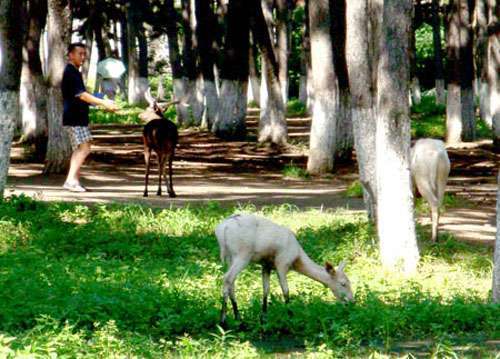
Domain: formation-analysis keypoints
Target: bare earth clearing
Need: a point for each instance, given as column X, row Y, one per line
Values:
column 207, row 169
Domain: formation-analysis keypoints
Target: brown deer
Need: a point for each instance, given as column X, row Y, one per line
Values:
column 159, row 135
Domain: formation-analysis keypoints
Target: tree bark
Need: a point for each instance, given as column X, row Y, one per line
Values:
column 453, row 99
column 283, row 33
column 362, row 35
column 467, row 71
column 175, row 61
column 481, row 60
column 345, row 137
column 438, row 53
column 137, row 86
column 494, row 68
column 59, row 34
column 398, row 244
column 230, row 121
column 326, row 91
column 496, row 258
column 206, row 22
column 272, row 123
column 10, row 76
column 306, row 43
column 253, row 78
column 33, row 97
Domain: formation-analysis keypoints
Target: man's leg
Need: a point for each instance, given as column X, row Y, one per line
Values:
column 77, row 159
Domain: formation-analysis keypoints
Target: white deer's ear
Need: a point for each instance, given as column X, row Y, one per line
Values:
column 329, row 268
column 341, row 266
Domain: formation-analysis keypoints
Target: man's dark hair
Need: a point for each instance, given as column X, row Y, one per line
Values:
column 74, row 45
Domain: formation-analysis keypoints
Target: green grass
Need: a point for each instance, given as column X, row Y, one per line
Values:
column 295, row 108
column 429, row 120
column 355, row 190
column 124, row 281
column 293, row 171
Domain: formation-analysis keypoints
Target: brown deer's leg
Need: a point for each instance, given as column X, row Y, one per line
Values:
column 147, row 157
column 161, row 170
column 170, row 184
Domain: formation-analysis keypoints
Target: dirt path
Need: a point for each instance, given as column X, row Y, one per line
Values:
column 207, row 169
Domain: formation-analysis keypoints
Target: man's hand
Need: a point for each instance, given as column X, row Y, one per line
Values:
column 110, row 105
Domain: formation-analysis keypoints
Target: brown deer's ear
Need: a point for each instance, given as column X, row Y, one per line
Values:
column 329, row 268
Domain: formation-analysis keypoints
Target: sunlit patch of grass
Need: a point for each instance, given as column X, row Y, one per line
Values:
column 355, row 190
column 293, row 171
column 128, row 280
column 295, row 108
column 429, row 120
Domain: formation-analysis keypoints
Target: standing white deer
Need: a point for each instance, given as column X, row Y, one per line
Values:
column 245, row 238
column 430, row 167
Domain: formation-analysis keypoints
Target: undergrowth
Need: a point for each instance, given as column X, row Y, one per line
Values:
column 128, row 280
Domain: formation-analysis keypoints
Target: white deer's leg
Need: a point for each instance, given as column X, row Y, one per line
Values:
column 266, row 276
column 435, row 222
column 282, row 271
column 237, row 266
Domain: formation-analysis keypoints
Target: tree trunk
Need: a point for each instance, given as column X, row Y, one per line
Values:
column 453, row 98
column 136, row 84
column 193, row 96
column 494, row 68
column 415, row 92
column 345, row 137
column 272, row 123
column 481, row 60
column 33, row 97
column 283, row 32
column 175, row 61
column 496, row 259
column 326, row 91
column 59, row 34
column 89, row 42
column 253, row 79
column 206, row 21
column 362, row 36
column 230, row 121
column 467, row 71
column 395, row 221
column 306, row 43
column 10, row 76
column 438, row 53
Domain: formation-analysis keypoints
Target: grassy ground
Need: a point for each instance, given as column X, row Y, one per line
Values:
column 110, row 281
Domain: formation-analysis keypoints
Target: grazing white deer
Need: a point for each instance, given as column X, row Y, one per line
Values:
column 245, row 238
column 430, row 167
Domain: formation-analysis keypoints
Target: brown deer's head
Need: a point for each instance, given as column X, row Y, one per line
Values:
column 155, row 109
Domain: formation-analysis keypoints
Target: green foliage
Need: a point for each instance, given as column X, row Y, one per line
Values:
column 355, row 190
column 295, row 108
column 292, row 171
column 429, row 120
column 131, row 281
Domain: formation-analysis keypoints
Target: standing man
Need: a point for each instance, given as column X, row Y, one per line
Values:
column 76, row 113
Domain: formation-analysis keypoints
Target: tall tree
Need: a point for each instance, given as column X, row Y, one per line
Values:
column 283, row 43
column 10, row 75
column 481, row 59
column 326, row 90
column 345, row 139
column 494, row 67
column 33, row 88
column 253, row 78
column 137, row 74
column 272, row 124
column 467, row 70
column 453, row 99
column 398, row 244
column 363, row 29
column 59, row 34
column 206, row 21
column 230, row 121
column 438, row 53
column 496, row 260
